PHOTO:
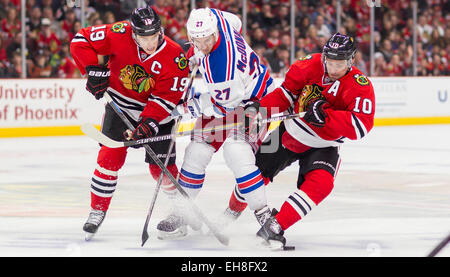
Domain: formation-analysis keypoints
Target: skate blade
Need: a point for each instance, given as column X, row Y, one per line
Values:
column 275, row 245
column 88, row 236
column 178, row 233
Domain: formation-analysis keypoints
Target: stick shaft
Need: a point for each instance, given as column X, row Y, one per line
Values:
column 166, row 162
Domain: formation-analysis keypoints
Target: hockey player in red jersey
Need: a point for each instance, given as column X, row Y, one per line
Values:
column 339, row 102
column 146, row 76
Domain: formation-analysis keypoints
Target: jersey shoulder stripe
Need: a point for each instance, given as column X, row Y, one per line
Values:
column 219, row 64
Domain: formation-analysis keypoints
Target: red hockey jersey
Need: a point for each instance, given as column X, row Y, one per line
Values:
column 350, row 113
column 142, row 85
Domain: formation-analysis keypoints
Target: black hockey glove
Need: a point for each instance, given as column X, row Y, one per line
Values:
column 315, row 115
column 146, row 128
column 252, row 119
column 98, row 80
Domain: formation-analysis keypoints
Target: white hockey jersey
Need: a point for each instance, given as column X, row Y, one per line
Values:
column 232, row 70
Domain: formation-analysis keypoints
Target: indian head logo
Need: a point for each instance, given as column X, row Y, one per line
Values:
column 309, row 94
column 135, row 78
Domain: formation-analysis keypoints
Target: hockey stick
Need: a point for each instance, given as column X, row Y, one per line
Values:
column 439, row 247
column 95, row 134
column 166, row 162
column 222, row 238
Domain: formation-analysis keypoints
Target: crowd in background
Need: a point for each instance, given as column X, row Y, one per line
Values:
column 51, row 25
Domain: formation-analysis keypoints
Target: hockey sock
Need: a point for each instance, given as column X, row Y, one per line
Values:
column 251, row 187
column 191, row 182
column 104, row 180
column 237, row 202
column 167, row 186
column 317, row 185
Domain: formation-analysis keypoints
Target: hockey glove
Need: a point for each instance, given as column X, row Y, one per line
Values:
column 315, row 115
column 98, row 80
column 252, row 119
column 146, row 128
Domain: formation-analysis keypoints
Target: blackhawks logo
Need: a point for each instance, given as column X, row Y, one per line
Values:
column 135, row 78
column 307, row 57
column 119, row 27
column 181, row 61
column 361, row 79
column 308, row 94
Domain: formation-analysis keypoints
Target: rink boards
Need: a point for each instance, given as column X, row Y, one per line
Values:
column 54, row 107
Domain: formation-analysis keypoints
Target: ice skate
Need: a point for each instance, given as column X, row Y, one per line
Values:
column 272, row 234
column 171, row 227
column 263, row 214
column 93, row 222
column 175, row 225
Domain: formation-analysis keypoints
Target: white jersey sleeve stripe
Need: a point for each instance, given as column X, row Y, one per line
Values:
column 360, row 129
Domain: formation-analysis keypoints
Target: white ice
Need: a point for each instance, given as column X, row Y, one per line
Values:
column 391, row 199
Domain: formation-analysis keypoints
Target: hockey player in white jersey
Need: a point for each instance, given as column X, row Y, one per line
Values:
column 233, row 76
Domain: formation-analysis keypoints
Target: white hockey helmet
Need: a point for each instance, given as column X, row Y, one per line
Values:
column 202, row 23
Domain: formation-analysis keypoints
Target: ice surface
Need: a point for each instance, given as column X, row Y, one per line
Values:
column 391, row 199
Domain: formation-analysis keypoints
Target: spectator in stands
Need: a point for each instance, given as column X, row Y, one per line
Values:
column 322, row 28
column 267, row 18
column 393, row 35
column 284, row 19
column 3, row 56
column 304, row 25
column 67, row 25
column 386, row 50
column 273, row 40
column 360, row 63
column 258, row 37
column 176, row 28
column 14, row 45
column 66, row 68
column 11, row 23
column 47, row 38
column 436, row 39
column 379, row 64
column 5, row 5
column 88, row 10
column 394, row 67
column 14, row 69
column 33, row 22
column 424, row 29
column 109, row 17
column 279, row 61
column 41, row 67
column 436, row 66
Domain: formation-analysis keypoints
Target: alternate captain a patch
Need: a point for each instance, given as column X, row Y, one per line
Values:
column 361, row 79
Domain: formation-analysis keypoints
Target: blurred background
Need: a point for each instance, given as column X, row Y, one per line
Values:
column 35, row 41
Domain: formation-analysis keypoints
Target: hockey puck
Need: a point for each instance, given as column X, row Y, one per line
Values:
column 288, row 248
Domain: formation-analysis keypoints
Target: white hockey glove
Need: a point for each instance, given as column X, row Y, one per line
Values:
column 191, row 107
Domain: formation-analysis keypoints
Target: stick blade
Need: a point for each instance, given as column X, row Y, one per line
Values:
column 144, row 238
column 92, row 132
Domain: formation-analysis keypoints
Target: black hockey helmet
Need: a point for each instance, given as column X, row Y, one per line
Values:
column 145, row 21
column 340, row 47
